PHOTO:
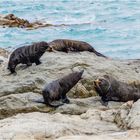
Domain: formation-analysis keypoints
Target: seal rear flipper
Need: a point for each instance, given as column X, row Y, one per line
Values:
column 54, row 105
column 47, row 103
column 39, row 101
column 65, row 100
column 104, row 103
column 37, row 62
column 98, row 54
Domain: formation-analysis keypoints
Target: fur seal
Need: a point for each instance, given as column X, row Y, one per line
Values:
column 110, row 89
column 57, row 90
column 27, row 55
column 67, row 45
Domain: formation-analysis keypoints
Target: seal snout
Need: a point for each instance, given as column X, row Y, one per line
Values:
column 97, row 82
column 50, row 48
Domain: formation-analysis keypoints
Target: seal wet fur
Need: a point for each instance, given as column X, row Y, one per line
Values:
column 111, row 89
column 66, row 45
column 27, row 55
column 57, row 90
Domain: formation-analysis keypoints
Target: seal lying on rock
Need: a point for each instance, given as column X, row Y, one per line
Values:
column 27, row 55
column 112, row 90
column 66, row 45
column 58, row 89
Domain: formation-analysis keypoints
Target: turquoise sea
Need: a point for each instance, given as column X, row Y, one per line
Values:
column 111, row 26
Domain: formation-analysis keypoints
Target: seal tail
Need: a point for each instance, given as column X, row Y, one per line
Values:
column 98, row 54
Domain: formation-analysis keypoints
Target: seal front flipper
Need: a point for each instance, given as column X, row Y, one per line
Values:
column 29, row 64
column 49, row 102
column 12, row 69
column 104, row 101
column 65, row 100
column 13, row 73
column 37, row 62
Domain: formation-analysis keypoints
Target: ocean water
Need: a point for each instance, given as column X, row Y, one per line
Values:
column 111, row 26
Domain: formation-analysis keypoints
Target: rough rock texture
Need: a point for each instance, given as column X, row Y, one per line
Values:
column 91, row 124
column 3, row 55
column 84, row 118
column 55, row 65
column 133, row 118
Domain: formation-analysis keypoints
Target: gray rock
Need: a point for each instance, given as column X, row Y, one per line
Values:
column 21, row 103
column 84, row 116
column 53, row 126
column 121, row 115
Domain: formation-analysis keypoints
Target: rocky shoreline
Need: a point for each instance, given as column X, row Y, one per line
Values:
column 11, row 20
column 84, row 118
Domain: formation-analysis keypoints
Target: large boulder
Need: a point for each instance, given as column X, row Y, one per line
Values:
column 53, row 126
column 84, row 118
